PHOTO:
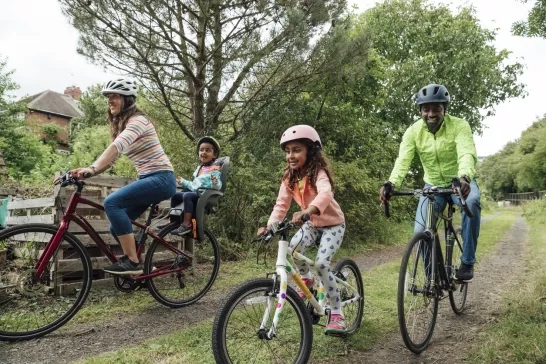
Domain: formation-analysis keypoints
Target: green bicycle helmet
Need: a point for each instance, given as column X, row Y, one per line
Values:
column 211, row 140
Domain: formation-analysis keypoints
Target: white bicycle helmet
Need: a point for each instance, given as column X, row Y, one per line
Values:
column 120, row 86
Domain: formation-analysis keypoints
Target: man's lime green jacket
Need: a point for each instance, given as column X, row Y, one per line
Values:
column 448, row 153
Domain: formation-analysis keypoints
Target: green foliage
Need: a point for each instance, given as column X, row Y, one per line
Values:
column 94, row 107
column 420, row 42
column 535, row 26
column 358, row 96
column 497, row 173
column 520, row 166
column 536, row 210
column 21, row 148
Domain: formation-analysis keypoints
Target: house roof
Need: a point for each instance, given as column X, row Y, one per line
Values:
column 55, row 103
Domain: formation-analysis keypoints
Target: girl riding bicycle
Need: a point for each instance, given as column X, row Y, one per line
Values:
column 307, row 179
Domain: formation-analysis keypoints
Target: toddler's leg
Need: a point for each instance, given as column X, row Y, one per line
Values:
column 329, row 245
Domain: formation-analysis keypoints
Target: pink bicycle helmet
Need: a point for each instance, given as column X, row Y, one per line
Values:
column 300, row 132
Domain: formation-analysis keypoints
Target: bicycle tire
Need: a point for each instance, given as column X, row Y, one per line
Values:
column 32, row 309
column 459, row 290
column 416, row 332
column 187, row 285
column 236, row 334
column 354, row 311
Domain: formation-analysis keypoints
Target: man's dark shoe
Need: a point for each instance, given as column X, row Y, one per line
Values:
column 465, row 273
column 124, row 266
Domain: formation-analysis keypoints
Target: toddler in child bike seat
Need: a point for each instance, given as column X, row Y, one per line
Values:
column 207, row 175
column 307, row 179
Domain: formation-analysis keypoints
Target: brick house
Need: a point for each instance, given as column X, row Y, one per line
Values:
column 50, row 107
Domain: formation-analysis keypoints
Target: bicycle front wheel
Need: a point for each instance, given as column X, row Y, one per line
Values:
column 185, row 281
column 33, row 306
column 352, row 295
column 417, row 298
column 237, row 335
column 459, row 290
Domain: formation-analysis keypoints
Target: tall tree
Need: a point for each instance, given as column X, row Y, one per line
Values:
column 209, row 62
column 419, row 42
column 535, row 26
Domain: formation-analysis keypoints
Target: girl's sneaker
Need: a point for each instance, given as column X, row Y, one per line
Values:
column 336, row 325
column 309, row 282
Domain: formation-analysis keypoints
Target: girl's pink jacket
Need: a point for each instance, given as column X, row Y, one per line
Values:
column 330, row 213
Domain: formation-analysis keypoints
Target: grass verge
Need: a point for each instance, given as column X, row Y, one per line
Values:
column 193, row 345
column 519, row 335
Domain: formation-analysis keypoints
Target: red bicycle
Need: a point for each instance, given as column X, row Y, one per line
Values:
column 47, row 276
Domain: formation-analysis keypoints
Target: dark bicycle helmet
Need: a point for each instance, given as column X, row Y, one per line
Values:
column 211, row 140
column 433, row 93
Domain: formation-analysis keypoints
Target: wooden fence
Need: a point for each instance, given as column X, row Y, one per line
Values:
column 49, row 210
column 522, row 197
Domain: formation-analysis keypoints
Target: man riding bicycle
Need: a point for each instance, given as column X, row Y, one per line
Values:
column 446, row 148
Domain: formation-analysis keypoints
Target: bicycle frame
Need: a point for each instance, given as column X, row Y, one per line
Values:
column 70, row 215
column 283, row 269
column 450, row 238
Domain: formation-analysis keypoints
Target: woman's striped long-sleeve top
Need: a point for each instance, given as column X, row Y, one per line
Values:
column 140, row 143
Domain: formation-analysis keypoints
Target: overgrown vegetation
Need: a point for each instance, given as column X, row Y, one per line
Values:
column 360, row 103
column 519, row 167
column 518, row 336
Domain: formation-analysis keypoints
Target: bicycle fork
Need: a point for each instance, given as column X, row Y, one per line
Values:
column 283, row 269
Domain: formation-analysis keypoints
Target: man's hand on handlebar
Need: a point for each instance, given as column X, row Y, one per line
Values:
column 385, row 193
column 465, row 187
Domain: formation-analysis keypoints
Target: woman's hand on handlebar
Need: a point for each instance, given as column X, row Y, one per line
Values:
column 82, row 173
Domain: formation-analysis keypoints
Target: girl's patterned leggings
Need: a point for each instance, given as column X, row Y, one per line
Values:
column 330, row 241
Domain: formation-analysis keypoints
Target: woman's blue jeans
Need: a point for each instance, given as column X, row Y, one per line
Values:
column 470, row 225
column 129, row 202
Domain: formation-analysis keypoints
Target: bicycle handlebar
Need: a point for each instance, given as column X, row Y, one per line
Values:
column 67, row 179
column 279, row 228
column 388, row 192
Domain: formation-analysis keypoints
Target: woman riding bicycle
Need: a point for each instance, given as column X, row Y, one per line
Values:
column 308, row 179
column 135, row 136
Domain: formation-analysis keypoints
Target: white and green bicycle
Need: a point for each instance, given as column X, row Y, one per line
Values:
column 265, row 321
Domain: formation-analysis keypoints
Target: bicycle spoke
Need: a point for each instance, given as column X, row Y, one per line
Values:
column 32, row 306
column 193, row 274
column 417, row 301
column 237, row 337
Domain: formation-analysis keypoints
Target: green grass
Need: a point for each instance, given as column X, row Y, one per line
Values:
column 192, row 345
column 519, row 335
column 104, row 304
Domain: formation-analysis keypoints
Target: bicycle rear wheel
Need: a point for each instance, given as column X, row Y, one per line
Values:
column 31, row 307
column 459, row 290
column 348, row 271
column 417, row 299
column 186, row 281
column 236, row 333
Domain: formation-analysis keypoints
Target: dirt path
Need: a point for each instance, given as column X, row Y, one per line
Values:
column 82, row 341
column 454, row 336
